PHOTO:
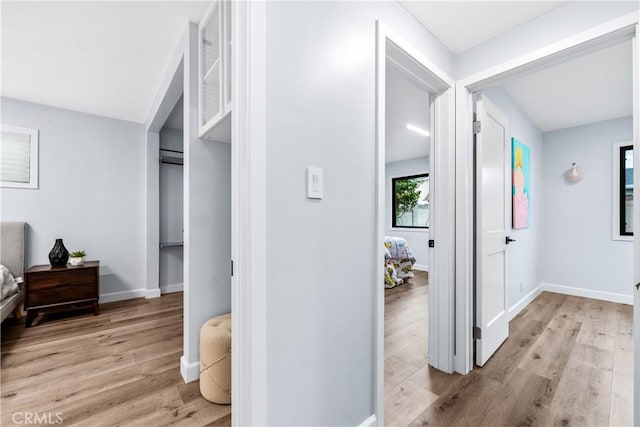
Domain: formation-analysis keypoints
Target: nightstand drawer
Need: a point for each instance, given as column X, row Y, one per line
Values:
column 61, row 293
column 53, row 279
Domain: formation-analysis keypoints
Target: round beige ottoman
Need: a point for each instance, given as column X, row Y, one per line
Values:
column 215, row 359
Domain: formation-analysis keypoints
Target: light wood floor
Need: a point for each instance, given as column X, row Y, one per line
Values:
column 568, row 362
column 119, row 368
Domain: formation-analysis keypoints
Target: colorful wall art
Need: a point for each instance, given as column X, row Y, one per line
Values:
column 521, row 189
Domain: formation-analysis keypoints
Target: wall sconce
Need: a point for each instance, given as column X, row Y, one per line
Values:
column 574, row 174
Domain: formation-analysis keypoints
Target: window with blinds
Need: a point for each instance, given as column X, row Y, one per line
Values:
column 18, row 157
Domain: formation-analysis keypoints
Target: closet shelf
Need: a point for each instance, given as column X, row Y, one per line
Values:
column 170, row 244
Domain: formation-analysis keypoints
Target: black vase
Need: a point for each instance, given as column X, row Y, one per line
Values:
column 59, row 255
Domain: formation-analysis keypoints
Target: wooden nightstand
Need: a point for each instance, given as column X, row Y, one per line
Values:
column 48, row 288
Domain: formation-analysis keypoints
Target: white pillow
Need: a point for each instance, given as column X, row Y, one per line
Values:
column 7, row 282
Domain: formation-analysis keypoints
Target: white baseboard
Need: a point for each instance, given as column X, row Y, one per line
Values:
column 525, row 301
column 152, row 293
column 588, row 293
column 168, row 289
column 189, row 371
column 123, row 295
column 369, row 422
column 420, row 267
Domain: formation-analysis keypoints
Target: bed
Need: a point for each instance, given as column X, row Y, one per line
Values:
column 12, row 257
column 398, row 261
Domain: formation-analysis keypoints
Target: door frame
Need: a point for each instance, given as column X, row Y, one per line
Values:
column 611, row 32
column 441, row 297
column 248, row 207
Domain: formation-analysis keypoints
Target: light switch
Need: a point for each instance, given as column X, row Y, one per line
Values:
column 314, row 183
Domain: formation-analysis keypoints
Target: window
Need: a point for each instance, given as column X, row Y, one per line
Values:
column 623, row 191
column 410, row 201
column 18, row 157
column 626, row 190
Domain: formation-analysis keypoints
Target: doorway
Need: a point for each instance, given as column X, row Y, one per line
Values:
column 415, row 233
column 561, row 149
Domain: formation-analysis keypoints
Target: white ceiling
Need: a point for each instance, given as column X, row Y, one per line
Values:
column 461, row 25
column 406, row 102
column 588, row 89
column 105, row 58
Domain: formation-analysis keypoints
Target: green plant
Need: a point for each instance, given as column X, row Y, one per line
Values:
column 77, row 254
column 407, row 194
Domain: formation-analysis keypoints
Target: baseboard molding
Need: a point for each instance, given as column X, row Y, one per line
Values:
column 420, row 267
column 369, row 422
column 168, row 289
column 152, row 293
column 588, row 293
column 189, row 371
column 525, row 301
column 123, row 295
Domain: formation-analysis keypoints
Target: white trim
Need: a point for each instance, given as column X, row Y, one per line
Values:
column 524, row 301
column 609, row 32
column 248, row 204
column 613, row 31
column 369, row 422
column 168, row 289
column 636, row 220
column 441, row 300
column 588, row 293
column 122, row 295
column 152, row 293
column 420, row 267
column 169, row 92
column 34, row 165
column 189, row 371
column 615, row 191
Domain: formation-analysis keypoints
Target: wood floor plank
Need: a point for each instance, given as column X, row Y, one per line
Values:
column 567, row 361
column 583, row 396
column 405, row 402
column 463, row 404
column 552, row 349
column 433, row 380
column 121, row 367
column 502, row 364
column 523, row 401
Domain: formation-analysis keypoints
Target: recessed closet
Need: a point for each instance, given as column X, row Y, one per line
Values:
column 171, row 220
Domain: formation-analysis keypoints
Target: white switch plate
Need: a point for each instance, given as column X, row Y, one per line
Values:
column 315, row 186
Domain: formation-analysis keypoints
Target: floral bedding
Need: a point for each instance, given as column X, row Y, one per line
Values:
column 398, row 261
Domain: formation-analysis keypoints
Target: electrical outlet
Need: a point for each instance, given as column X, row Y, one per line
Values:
column 521, row 286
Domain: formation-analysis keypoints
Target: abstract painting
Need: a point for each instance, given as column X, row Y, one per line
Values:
column 521, row 188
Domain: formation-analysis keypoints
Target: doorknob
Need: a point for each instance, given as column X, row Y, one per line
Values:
column 508, row 240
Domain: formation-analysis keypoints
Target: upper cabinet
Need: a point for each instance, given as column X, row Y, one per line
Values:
column 214, row 73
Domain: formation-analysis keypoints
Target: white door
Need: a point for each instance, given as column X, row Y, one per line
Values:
column 493, row 220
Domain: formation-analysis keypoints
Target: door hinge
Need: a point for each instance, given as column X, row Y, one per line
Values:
column 477, row 127
column 477, row 333
column 432, row 243
column 231, row 268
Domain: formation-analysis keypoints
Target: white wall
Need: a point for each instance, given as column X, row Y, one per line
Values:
column 207, row 218
column 91, row 192
column 418, row 239
column 556, row 25
column 577, row 248
column 320, row 253
column 523, row 258
column 171, row 213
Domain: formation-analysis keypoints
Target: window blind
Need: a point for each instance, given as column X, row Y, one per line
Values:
column 15, row 157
